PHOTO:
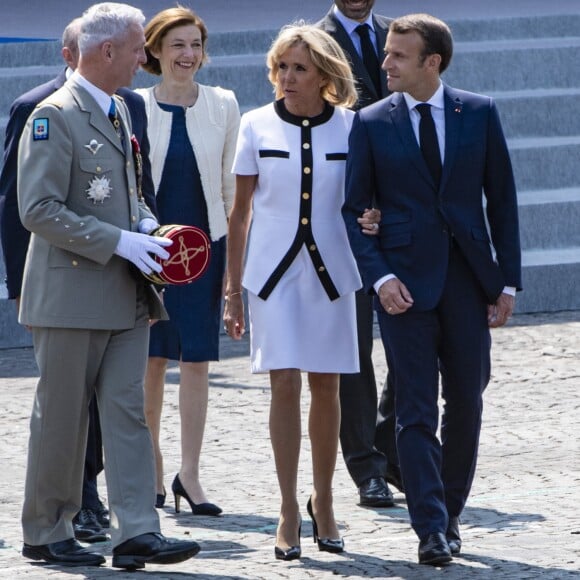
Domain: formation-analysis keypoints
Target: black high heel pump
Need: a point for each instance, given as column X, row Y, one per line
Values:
column 292, row 553
column 324, row 544
column 197, row 509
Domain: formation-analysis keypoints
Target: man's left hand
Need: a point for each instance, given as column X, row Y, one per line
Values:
column 498, row 313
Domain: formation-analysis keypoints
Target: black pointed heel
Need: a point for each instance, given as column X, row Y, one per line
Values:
column 324, row 544
column 291, row 553
column 197, row 509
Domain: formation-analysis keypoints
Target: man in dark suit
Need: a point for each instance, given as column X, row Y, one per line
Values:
column 90, row 522
column 426, row 154
column 79, row 194
column 367, row 441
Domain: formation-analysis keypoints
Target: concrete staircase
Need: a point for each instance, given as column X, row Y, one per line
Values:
column 527, row 64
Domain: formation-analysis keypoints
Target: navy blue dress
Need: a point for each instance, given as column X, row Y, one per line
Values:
column 192, row 332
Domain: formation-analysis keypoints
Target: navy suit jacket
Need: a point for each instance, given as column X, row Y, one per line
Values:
column 14, row 236
column 366, row 89
column 385, row 164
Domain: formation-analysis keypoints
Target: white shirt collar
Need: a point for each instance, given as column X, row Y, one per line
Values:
column 437, row 100
column 349, row 24
column 102, row 98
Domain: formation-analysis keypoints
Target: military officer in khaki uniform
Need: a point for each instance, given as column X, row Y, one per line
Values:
column 88, row 307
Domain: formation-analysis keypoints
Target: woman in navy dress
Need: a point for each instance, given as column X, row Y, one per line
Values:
column 192, row 132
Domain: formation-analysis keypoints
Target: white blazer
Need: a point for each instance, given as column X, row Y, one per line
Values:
column 271, row 148
column 212, row 127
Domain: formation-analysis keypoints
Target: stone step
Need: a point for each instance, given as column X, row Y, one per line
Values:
column 515, row 65
column 532, row 27
column 549, row 219
column 539, row 112
column 16, row 81
column 545, row 162
column 550, row 280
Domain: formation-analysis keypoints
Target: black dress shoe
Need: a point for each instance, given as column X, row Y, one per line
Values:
column 393, row 476
column 87, row 528
column 433, row 550
column 102, row 515
column 65, row 553
column 375, row 492
column 453, row 537
column 152, row 548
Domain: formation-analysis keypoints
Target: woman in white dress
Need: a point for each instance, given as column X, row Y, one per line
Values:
column 299, row 271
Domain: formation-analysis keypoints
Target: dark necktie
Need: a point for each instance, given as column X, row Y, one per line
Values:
column 369, row 56
column 429, row 142
column 116, row 123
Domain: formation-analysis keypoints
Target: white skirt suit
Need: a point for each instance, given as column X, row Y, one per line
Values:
column 299, row 272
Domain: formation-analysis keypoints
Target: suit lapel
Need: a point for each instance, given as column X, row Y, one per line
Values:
column 359, row 70
column 402, row 123
column 381, row 42
column 453, row 127
column 97, row 118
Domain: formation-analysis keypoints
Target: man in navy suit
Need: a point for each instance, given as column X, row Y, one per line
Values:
column 91, row 520
column 441, row 277
column 367, row 439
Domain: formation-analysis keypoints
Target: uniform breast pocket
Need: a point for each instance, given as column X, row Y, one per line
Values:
column 96, row 165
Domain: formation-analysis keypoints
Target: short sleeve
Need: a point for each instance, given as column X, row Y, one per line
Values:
column 245, row 158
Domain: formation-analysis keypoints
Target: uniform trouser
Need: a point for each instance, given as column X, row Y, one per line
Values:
column 73, row 363
column 451, row 341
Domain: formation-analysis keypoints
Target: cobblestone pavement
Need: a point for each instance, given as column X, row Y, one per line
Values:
column 522, row 520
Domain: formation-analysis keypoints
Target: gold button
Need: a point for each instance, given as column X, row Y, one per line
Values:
column 131, row 190
column 305, row 196
column 98, row 169
column 321, row 269
column 133, row 219
column 307, row 170
column 312, row 247
column 75, row 263
column 306, row 146
column 128, row 163
column 304, row 221
column 305, row 123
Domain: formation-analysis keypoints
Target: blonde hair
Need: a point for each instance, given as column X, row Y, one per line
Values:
column 161, row 24
column 326, row 55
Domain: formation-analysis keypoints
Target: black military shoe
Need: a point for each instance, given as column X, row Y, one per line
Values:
column 375, row 492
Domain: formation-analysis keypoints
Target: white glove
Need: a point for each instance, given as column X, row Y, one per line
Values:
column 136, row 248
column 147, row 225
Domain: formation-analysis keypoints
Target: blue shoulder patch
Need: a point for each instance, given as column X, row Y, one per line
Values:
column 40, row 129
